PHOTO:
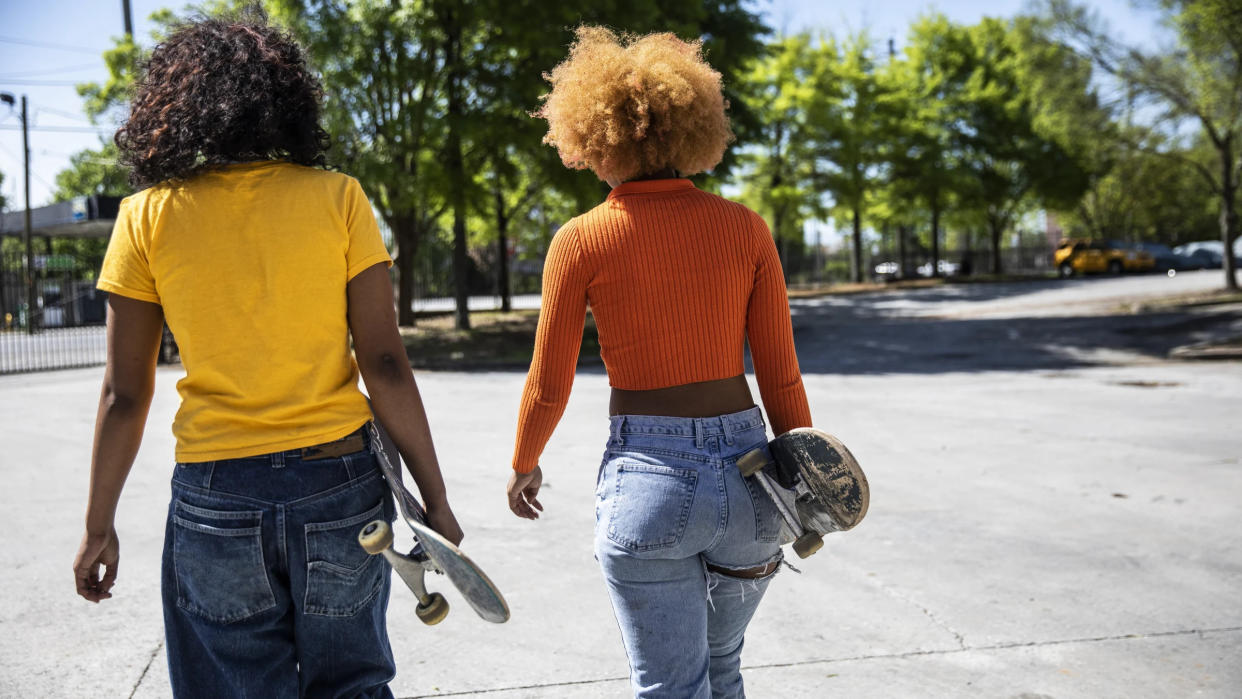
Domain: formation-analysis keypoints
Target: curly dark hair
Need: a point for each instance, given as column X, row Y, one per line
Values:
column 220, row 90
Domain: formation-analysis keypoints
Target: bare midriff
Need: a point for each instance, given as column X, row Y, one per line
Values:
column 702, row 399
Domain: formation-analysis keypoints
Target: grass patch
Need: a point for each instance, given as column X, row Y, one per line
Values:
column 495, row 340
column 1179, row 302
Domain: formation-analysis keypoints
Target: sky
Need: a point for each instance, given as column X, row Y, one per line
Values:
column 46, row 46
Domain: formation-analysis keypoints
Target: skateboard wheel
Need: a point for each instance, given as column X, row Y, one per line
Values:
column 375, row 537
column 752, row 462
column 808, row 544
column 433, row 610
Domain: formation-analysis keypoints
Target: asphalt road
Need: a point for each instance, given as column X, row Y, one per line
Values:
column 1055, row 513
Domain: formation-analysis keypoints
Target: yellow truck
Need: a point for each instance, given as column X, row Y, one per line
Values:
column 1087, row 256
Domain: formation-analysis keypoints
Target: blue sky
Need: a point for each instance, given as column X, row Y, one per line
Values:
column 47, row 45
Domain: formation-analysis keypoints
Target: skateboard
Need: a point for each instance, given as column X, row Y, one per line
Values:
column 815, row 483
column 431, row 552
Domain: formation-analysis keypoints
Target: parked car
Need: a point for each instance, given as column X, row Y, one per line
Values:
column 886, row 271
column 1209, row 253
column 946, row 268
column 1168, row 260
column 1088, row 256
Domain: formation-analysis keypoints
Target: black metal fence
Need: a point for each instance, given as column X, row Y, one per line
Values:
column 65, row 326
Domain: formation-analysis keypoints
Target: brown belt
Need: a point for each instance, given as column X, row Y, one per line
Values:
column 349, row 444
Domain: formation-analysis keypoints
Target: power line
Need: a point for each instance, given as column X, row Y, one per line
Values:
column 21, row 81
column 50, row 71
column 50, row 45
column 61, row 129
column 62, row 113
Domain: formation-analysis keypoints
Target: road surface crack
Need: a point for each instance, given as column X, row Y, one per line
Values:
column 158, row 647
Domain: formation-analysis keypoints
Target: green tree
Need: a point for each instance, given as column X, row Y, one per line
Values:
column 776, row 177
column 1196, row 82
column 850, row 126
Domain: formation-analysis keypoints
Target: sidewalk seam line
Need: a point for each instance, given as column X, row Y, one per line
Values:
column 878, row 656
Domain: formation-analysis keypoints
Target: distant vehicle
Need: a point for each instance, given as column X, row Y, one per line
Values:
column 1212, row 252
column 945, row 267
column 886, row 271
column 1086, row 256
column 1168, row 260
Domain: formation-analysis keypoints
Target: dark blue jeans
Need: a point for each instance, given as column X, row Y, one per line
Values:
column 266, row 591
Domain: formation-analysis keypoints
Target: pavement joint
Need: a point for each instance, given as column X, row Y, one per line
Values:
column 873, row 656
column 1005, row 646
column 158, row 647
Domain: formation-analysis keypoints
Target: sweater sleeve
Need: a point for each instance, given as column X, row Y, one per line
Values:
column 558, row 340
column 769, row 331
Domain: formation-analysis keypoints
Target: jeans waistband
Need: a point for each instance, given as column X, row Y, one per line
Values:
column 696, row 427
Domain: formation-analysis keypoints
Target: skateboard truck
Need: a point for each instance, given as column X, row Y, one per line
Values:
column 431, row 552
column 818, row 487
column 376, row 538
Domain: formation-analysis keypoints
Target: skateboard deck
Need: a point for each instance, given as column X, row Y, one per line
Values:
column 431, row 551
column 815, row 483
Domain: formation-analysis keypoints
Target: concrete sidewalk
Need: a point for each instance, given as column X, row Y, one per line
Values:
column 1032, row 533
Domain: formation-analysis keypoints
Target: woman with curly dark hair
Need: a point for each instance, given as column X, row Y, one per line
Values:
column 678, row 281
column 263, row 265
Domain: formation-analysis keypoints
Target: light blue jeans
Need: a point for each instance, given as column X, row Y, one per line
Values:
column 671, row 511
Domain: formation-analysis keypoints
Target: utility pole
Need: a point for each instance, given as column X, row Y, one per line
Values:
column 129, row 19
column 11, row 100
column 30, row 283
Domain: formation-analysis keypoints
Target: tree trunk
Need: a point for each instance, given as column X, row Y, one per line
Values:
column 407, row 235
column 502, row 242
column 935, row 236
column 902, row 232
column 995, row 227
column 1228, row 212
column 456, row 167
column 858, row 260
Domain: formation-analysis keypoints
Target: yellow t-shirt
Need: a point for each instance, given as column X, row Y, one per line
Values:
column 250, row 263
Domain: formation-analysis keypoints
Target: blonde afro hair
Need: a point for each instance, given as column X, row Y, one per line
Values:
column 635, row 105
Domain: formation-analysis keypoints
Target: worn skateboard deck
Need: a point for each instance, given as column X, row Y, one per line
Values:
column 431, row 552
column 815, row 483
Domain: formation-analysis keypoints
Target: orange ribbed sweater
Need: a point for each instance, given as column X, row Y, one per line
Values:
column 678, row 281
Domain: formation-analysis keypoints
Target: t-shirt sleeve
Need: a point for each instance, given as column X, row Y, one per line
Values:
column 366, row 247
column 127, row 265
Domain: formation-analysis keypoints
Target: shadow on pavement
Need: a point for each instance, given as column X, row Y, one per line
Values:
column 863, row 338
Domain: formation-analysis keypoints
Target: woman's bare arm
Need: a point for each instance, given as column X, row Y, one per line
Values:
column 134, row 332
column 394, row 393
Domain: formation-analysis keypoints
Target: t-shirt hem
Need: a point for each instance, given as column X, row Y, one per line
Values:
column 195, row 456
column 113, row 288
column 366, row 262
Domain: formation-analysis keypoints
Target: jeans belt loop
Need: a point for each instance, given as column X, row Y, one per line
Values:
column 726, row 429
column 278, row 460
column 698, row 432
column 618, row 422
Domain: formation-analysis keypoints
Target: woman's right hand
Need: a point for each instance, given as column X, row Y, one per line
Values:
column 96, row 550
column 442, row 519
column 524, row 493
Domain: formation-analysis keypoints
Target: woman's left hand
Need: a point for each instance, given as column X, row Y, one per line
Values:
column 524, row 494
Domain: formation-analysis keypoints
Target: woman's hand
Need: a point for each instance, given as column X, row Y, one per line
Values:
column 442, row 519
column 96, row 550
column 524, row 493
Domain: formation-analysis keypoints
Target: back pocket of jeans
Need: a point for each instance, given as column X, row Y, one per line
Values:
column 341, row 577
column 651, row 505
column 768, row 520
column 218, row 563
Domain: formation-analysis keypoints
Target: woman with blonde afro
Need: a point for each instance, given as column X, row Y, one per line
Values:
column 679, row 281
